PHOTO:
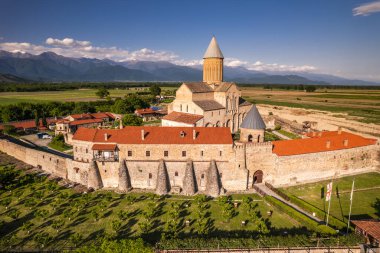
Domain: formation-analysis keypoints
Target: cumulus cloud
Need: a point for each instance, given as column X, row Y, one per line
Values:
column 367, row 9
column 68, row 42
column 70, row 47
column 261, row 66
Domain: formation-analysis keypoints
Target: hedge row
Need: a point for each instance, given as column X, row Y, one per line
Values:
column 260, row 242
column 303, row 219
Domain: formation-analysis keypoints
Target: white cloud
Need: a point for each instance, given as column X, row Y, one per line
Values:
column 68, row 42
column 74, row 48
column 261, row 66
column 367, row 9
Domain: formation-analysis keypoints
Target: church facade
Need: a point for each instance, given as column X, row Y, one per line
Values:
column 211, row 103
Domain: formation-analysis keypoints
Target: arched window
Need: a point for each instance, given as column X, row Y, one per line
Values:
column 250, row 137
column 258, row 138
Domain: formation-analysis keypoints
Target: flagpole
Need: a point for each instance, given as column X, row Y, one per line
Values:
column 331, row 193
column 351, row 198
column 328, row 211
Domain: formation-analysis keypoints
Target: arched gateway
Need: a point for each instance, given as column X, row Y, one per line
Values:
column 257, row 177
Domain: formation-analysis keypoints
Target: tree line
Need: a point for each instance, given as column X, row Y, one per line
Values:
column 26, row 110
column 30, row 87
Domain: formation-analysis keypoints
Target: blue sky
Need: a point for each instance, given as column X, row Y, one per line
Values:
column 323, row 36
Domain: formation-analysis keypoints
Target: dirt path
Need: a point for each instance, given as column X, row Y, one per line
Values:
column 325, row 120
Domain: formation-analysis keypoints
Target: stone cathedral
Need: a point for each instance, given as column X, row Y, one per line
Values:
column 211, row 103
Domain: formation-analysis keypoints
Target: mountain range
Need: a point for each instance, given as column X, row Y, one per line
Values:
column 51, row 67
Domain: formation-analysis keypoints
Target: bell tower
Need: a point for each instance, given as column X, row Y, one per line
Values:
column 213, row 63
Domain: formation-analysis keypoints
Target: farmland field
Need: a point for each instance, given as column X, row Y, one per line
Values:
column 361, row 105
column 63, row 96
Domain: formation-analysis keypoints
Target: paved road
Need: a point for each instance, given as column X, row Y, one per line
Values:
column 269, row 192
column 281, row 135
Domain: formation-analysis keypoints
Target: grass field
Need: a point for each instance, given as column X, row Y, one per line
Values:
column 363, row 105
column 67, row 95
column 366, row 198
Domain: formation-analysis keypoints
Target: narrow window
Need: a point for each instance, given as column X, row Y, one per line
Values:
column 150, row 175
column 166, row 153
column 187, row 108
column 203, row 176
column 202, row 153
column 129, row 152
column 212, row 114
column 86, row 150
column 183, row 153
column 176, row 174
column 180, row 108
column 147, row 153
column 220, row 153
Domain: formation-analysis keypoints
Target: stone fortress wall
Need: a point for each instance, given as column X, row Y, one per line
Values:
column 234, row 171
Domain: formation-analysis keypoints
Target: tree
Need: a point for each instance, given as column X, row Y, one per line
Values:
column 44, row 121
column 310, row 88
column 102, row 93
column 9, row 129
column 123, row 215
column 155, row 90
column 27, row 226
column 75, row 239
column 95, row 214
column 131, row 120
column 116, row 225
column 36, row 119
column 58, row 224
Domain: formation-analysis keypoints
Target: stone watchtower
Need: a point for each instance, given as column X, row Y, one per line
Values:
column 253, row 127
column 213, row 63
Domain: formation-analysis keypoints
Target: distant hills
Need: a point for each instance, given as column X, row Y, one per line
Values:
column 7, row 78
column 51, row 67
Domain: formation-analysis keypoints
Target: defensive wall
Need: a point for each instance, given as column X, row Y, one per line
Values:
column 218, row 175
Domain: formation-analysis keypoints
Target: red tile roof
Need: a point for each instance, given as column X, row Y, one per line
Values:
column 318, row 144
column 27, row 124
column 80, row 116
column 102, row 115
column 183, row 117
column 84, row 122
column 371, row 228
column 145, row 111
column 156, row 135
column 106, row 147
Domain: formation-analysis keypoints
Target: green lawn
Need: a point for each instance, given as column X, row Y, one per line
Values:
column 288, row 134
column 366, row 199
column 60, row 147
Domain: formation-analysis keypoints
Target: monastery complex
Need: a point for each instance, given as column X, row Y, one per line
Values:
column 194, row 151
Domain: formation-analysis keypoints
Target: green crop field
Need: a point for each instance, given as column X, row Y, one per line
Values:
column 366, row 198
column 66, row 95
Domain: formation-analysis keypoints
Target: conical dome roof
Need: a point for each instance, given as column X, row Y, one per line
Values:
column 213, row 50
column 253, row 120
